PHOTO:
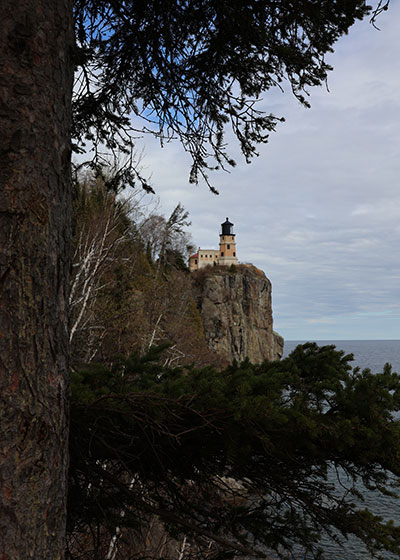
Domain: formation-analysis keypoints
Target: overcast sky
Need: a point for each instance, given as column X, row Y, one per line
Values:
column 319, row 210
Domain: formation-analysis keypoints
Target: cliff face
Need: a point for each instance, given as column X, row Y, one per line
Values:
column 236, row 310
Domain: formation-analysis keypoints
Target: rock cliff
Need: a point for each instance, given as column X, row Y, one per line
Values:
column 235, row 306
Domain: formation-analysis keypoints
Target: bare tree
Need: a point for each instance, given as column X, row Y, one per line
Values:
column 103, row 227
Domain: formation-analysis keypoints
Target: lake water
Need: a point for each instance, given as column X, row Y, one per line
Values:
column 371, row 354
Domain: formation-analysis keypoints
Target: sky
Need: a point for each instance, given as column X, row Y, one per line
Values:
column 318, row 211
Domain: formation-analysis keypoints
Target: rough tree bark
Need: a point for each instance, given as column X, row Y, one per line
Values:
column 36, row 75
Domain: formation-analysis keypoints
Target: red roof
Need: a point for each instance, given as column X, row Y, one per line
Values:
column 195, row 256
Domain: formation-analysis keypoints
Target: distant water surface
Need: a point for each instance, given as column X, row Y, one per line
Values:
column 372, row 354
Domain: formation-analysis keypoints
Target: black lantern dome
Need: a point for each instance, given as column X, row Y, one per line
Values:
column 227, row 228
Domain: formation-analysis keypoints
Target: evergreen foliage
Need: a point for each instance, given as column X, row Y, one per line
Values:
column 239, row 461
column 193, row 69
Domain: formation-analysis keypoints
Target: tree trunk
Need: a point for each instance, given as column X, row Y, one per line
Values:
column 36, row 75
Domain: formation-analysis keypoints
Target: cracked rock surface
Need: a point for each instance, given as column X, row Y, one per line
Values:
column 236, row 310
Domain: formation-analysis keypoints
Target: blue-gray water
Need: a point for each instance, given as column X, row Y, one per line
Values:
column 372, row 354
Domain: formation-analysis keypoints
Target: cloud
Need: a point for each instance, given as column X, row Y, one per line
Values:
column 319, row 210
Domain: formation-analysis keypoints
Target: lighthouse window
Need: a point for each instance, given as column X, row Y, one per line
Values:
column 234, row 254
column 222, row 253
column 229, row 246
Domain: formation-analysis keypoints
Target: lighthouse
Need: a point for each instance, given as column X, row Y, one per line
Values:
column 227, row 245
column 225, row 256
